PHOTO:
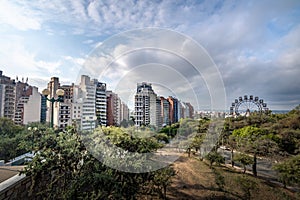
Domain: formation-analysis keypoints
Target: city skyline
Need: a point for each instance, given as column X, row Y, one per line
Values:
column 255, row 45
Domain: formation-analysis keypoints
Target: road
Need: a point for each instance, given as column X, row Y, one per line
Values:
column 264, row 167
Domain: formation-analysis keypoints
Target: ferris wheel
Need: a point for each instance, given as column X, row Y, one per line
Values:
column 248, row 105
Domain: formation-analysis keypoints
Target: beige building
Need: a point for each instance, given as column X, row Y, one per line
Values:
column 28, row 107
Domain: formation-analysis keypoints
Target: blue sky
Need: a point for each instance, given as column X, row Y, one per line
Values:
column 254, row 44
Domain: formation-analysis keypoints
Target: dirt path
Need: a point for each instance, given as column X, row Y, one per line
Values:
column 193, row 180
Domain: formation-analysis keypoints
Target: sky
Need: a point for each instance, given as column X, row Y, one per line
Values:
column 245, row 47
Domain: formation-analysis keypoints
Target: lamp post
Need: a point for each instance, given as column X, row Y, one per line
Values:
column 59, row 93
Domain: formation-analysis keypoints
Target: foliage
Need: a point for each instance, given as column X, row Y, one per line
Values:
column 214, row 157
column 11, row 136
column 197, row 140
column 290, row 141
column 289, row 171
column 256, row 141
column 8, row 128
column 244, row 159
column 162, row 137
column 62, row 168
column 162, row 179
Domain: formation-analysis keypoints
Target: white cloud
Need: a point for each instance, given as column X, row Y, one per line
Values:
column 18, row 17
column 246, row 39
column 93, row 12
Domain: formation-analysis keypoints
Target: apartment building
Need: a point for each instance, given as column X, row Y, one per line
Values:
column 28, row 105
column 173, row 114
column 147, row 106
column 7, row 96
column 84, row 96
column 165, row 110
column 101, row 103
column 113, row 109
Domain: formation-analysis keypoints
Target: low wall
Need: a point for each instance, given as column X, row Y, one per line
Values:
column 16, row 187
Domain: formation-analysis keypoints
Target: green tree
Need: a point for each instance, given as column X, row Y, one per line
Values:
column 11, row 136
column 8, row 128
column 289, row 171
column 244, row 159
column 162, row 179
column 62, row 168
column 257, row 142
column 214, row 157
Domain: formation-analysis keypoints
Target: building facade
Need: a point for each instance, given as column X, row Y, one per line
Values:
column 101, row 103
column 147, row 106
column 165, row 110
column 113, row 109
column 28, row 106
column 124, row 112
column 84, row 96
column 8, row 97
column 173, row 114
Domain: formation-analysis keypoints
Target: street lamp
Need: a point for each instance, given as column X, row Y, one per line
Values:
column 59, row 93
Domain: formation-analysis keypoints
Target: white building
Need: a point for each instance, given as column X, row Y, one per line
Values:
column 147, row 106
column 32, row 107
column 62, row 115
column 84, row 96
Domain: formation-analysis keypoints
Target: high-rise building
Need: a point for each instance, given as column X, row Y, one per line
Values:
column 7, row 96
column 68, row 95
column 191, row 110
column 84, row 97
column 185, row 110
column 76, row 111
column 147, row 106
column 19, row 101
column 62, row 115
column 28, row 105
column 180, row 110
column 101, row 107
column 165, row 110
column 43, row 116
column 124, row 112
column 62, row 108
column 113, row 109
column 173, row 109
column 52, row 86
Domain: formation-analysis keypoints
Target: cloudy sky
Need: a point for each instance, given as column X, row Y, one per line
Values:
column 252, row 46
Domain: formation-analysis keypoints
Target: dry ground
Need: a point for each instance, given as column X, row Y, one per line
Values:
column 195, row 180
